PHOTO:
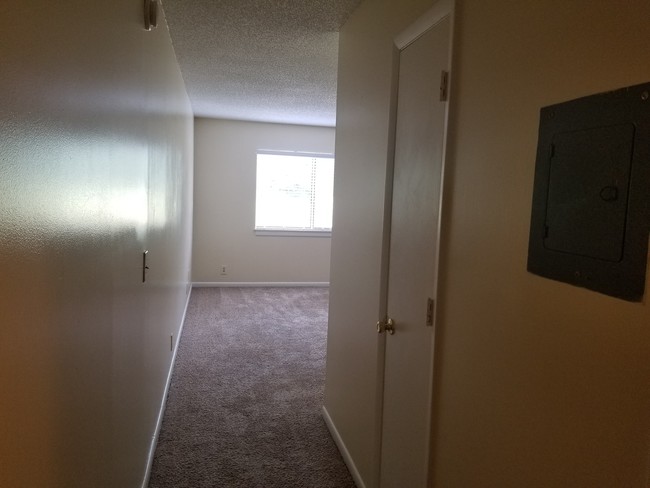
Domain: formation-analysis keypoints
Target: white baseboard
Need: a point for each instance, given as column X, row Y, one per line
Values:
column 233, row 284
column 163, row 404
column 342, row 449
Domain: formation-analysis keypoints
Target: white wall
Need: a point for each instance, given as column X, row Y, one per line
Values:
column 224, row 205
column 540, row 384
column 95, row 167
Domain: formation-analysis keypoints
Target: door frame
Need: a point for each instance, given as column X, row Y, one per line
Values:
column 428, row 20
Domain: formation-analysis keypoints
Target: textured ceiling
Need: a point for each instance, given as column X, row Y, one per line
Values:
column 260, row 60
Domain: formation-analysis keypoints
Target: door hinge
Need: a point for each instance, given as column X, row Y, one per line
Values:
column 444, row 86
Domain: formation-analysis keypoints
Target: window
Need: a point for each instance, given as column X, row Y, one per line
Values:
column 294, row 193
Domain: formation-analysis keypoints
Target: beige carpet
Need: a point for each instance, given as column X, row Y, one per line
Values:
column 244, row 402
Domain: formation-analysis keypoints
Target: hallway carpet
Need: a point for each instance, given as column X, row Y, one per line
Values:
column 244, row 402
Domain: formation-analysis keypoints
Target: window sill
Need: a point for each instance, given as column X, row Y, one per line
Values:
column 292, row 233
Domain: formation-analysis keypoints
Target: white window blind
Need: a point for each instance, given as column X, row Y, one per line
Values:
column 294, row 192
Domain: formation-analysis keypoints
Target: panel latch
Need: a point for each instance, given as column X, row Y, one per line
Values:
column 430, row 307
column 444, row 86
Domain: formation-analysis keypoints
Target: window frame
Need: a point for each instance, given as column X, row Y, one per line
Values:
column 288, row 232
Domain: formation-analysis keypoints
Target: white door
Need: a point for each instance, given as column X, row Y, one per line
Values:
column 412, row 269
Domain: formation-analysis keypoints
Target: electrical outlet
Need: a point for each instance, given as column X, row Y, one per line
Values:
column 223, row 270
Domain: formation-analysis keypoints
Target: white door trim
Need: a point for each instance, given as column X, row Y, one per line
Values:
column 440, row 10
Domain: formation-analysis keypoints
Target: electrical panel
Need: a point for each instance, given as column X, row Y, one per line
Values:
column 591, row 199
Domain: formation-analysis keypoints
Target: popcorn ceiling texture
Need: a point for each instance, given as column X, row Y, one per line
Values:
column 259, row 60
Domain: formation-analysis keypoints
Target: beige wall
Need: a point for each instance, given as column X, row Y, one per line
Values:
column 224, row 206
column 95, row 167
column 540, row 384
column 354, row 349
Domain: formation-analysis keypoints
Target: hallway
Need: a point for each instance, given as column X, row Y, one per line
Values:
column 538, row 383
column 244, row 403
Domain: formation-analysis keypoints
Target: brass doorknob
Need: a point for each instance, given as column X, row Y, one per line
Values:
column 387, row 325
